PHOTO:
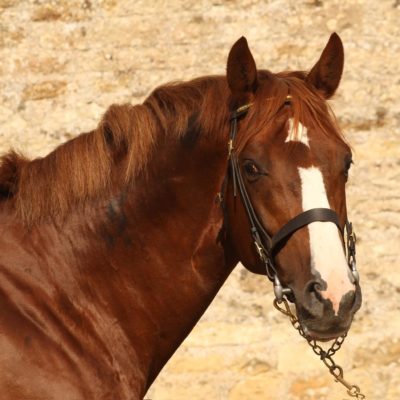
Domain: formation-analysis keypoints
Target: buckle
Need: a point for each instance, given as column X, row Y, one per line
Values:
column 230, row 148
column 260, row 251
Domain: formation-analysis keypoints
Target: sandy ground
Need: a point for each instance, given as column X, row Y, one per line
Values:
column 62, row 63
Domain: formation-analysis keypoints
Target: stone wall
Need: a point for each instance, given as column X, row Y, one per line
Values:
column 62, row 63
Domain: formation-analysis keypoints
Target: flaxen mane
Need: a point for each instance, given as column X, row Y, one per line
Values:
column 83, row 168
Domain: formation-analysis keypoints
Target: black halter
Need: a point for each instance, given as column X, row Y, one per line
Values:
column 268, row 246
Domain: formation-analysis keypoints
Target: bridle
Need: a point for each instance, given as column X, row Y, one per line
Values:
column 267, row 245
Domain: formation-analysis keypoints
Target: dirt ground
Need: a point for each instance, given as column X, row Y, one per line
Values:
column 62, row 63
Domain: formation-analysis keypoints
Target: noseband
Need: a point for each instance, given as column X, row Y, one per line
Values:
column 268, row 246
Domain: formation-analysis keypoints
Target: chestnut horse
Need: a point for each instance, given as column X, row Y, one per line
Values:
column 113, row 245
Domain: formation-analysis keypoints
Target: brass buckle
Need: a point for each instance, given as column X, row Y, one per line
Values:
column 244, row 108
column 260, row 251
column 230, row 148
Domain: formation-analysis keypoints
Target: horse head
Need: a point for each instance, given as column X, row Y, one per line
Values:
column 288, row 172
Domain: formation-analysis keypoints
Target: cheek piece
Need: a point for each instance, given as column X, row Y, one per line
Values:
column 267, row 245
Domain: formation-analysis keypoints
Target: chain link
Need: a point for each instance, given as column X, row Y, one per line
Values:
column 326, row 356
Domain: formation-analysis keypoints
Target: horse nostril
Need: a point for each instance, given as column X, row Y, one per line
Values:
column 315, row 287
column 313, row 301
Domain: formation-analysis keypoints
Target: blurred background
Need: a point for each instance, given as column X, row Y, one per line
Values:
column 62, row 63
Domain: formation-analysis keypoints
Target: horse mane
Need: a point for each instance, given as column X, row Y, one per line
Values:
column 83, row 169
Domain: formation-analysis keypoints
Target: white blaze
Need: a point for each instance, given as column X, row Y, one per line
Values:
column 299, row 136
column 327, row 254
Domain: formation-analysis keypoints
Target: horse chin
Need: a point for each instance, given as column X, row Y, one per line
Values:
column 322, row 336
column 322, row 323
column 323, row 329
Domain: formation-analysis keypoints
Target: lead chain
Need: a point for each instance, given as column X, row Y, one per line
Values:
column 326, row 356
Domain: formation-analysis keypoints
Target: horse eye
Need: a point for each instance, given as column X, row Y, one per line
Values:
column 251, row 169
column 347, row 167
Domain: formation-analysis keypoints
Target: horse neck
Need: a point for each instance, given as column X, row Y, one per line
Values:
column 186, row 220
column 157, row 258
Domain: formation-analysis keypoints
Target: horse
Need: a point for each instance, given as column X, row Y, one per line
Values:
column 113, row 245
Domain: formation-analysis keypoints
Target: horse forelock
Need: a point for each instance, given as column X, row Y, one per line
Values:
column 84, row 168
column 308, row 106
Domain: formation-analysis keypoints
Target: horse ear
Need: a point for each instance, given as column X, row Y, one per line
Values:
column 241, row 71
column 326, row 73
